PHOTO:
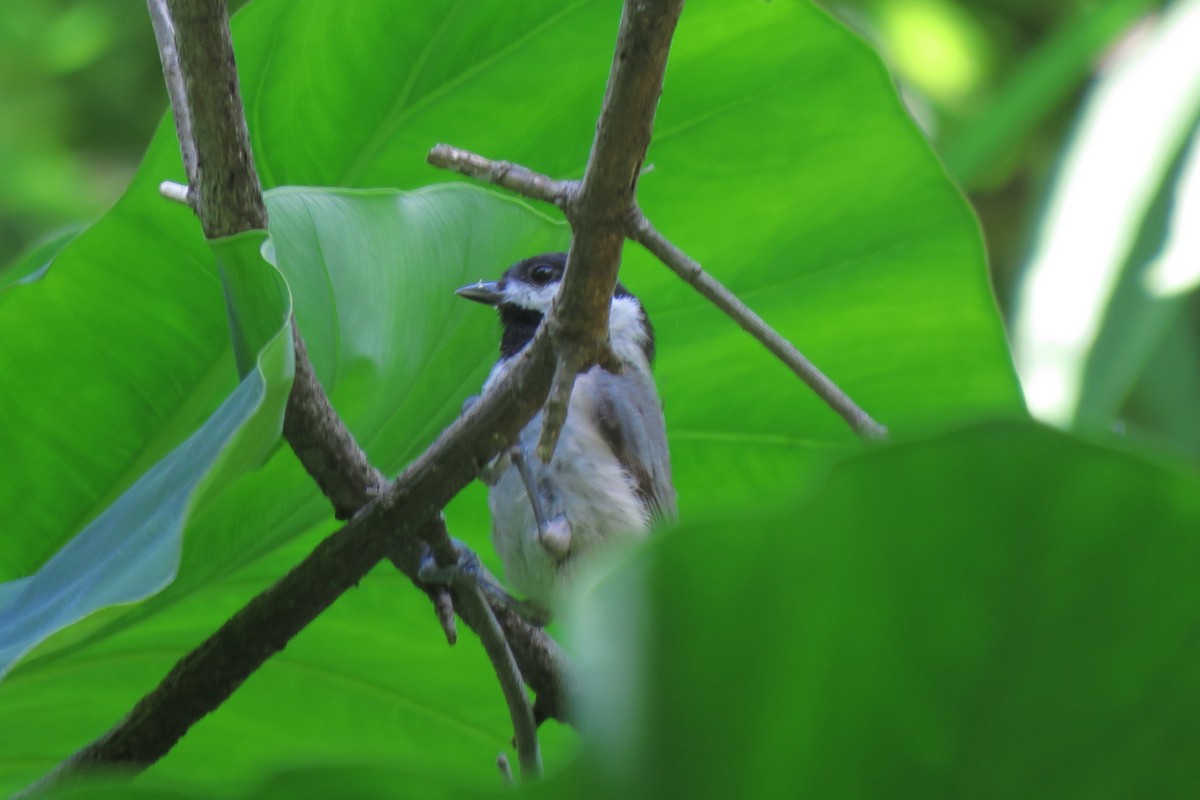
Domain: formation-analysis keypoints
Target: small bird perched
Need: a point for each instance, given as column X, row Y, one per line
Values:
column 610, row 475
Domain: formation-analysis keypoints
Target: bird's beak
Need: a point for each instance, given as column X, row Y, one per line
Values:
column 487, row 293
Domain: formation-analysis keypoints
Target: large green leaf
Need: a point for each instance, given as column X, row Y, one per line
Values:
column 373, row 275
column 783, row 161
column 31, row 264
column 131, row 550
column 1003, row 612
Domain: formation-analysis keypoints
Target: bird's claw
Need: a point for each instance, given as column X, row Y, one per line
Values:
column 465, row 570
column 470, row 575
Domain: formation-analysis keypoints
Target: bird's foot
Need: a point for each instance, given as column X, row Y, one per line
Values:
column 468, row 574
column 554, row 533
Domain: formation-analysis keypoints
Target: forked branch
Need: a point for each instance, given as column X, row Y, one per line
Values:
column 635, row 226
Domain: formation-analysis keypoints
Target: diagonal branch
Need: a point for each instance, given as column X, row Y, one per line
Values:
column 541, row 187
column 641, row 231
column 491, row 634
column 387, row 521
column 597, row 206
column 503, row 173
column 228, row 198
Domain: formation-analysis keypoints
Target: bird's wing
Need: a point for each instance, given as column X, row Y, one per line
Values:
column 630, row 418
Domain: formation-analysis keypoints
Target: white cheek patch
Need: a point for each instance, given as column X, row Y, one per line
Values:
column 534, row 298
column 625, row 328
column 626, row 331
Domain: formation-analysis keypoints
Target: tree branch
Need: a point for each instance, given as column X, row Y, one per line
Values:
column 205, row 677
column 525, row 727
column 502, row 173
column 637, row 227
column 228, row 201
column 390, row 526
column 225, row 187
column 641, row 231
column 390, row 519
column 164, row 35
column 323, row 443
column 597, row 207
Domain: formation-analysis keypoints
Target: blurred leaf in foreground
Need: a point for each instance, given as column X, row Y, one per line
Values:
column 1000, row 612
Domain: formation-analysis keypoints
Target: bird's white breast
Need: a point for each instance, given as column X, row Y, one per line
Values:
column 584, row 481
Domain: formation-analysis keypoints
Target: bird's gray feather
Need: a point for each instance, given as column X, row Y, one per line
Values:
column 630, row 419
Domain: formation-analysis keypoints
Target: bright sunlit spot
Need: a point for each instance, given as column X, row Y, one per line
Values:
column 1132, row 126
column 1178, row 268
column 935, row 46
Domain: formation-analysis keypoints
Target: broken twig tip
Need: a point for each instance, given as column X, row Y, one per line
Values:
column 175, row 192
column 443, row 604
column 505, row 769
column 554, row 415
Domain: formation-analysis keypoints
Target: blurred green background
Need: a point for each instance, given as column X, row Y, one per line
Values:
column 80, row 93
column 996, row 85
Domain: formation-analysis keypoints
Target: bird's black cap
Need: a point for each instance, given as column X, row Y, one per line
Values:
column 519, row 324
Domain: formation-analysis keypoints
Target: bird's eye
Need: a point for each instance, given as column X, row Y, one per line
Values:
column 542, row 274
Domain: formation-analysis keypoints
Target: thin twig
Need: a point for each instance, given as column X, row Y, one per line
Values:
column 505, row 770
column 557, row 403
column 443, row 606
column 473, row 606
column 164, row 35
column 529, row 756
column 544, row 666
column 641, row 231
column 639, row 228
column 521, row 180
column 502, row 173
column 389, row 519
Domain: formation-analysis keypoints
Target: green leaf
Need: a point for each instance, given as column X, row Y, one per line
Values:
column 249, row 289
column 783, row 161
column 361, row 267
column 131, row 550
column 1149, row 297
column 1001, row 612
column 122, row 352
column 34, row 262
column 374, row 274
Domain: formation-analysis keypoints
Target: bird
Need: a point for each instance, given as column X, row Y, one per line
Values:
column 609, row 478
